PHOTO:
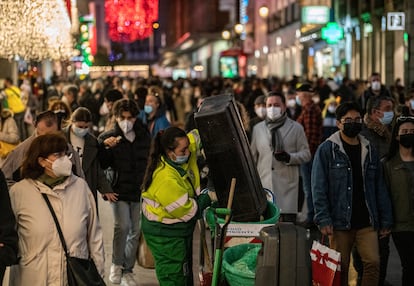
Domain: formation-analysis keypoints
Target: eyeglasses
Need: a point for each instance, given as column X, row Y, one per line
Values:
column 351, row 120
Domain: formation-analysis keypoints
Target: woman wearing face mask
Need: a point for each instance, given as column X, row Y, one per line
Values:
column 126, row 149
column 47, row 170
column 86, row 145
column 62, row 110
column 172, row 204
column 377, row 123
column 154, row 113
column 399, row 177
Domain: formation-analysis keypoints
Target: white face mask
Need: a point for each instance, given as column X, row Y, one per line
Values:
column 291, row 103
column 316, row 99
column 260, row 111
column 125, row 125
column 376, row 85
column 62, row 167
column 331, row 108
column 273, row 113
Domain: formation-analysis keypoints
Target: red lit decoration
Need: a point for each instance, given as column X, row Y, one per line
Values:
column 130, row 20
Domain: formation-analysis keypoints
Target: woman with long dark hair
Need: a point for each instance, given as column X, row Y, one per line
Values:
column 172, row 203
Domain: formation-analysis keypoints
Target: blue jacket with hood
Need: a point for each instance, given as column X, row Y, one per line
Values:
column 332, row 185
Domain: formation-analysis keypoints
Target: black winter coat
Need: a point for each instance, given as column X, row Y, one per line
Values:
column 8, row 234
column 128, row 160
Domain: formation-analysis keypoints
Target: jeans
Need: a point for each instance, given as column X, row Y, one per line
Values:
column 404, row 242
column 126, row 233
column 366, row 241
column 306, row 173
column 21, row 125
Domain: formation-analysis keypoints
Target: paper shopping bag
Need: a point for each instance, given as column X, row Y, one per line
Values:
column 144, row 255
column 326, row 265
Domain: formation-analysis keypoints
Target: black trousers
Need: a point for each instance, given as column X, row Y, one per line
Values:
column 404, row 242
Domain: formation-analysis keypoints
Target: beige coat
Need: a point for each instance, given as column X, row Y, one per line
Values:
column 9, row 132
column 42, row 257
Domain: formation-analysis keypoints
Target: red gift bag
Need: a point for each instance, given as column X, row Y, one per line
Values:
column 326, row 265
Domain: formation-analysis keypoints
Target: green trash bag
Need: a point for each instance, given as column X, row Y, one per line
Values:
column 239, row 264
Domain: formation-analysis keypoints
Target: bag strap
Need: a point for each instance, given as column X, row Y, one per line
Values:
column 15, row 92
column 62, row 239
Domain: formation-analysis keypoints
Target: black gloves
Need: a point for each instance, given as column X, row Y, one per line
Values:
column 282, row 156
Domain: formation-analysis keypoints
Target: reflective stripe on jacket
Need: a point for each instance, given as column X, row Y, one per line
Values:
column 171, row 196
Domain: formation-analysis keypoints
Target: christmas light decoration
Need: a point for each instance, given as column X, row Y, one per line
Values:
column 35, row 30
column 130, row 20
column 83, row 44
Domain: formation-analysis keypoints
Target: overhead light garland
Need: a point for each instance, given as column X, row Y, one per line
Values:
column 130, row 20
column 35, row 30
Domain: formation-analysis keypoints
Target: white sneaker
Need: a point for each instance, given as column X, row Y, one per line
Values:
column 128, row 280
column 116, row 274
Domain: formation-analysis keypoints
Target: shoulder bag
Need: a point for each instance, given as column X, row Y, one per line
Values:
column 80, row 272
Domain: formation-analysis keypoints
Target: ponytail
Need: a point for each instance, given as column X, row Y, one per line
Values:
column 164, row 140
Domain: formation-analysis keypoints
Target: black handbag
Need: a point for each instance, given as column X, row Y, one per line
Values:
column 80, row 272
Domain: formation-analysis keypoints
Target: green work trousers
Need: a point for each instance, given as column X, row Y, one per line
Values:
column 173, row 259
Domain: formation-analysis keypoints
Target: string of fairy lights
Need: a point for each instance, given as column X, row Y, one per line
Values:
column 35, row 30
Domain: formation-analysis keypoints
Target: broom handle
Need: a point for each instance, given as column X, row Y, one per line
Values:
column 231, row 196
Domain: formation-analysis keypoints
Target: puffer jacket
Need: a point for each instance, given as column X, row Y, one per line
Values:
column 332, row 186
column 128, row 160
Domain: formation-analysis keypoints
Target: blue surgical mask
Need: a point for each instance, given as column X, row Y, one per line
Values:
column 80, row 132
column 181, row 159
column 387, row 118
column 148, row 109
column 412, row 104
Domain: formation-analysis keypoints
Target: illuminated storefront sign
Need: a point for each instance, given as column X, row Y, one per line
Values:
column 332, row 33
column 315, row 15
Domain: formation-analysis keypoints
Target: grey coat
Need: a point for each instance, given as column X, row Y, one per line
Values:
column 281, row 178
column 91, row 166
column 11, row 165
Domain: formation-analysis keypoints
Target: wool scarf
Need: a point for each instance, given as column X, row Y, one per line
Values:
column 273, row 126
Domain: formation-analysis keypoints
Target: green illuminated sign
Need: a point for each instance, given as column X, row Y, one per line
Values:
column 332, row 33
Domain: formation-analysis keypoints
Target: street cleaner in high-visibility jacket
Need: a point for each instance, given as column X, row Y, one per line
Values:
column 172, row 203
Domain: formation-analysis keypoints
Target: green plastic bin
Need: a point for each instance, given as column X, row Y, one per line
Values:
column 239, row 264
column 271, row 216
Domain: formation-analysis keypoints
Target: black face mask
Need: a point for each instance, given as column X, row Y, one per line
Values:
column 352, row 129
column 407, row 140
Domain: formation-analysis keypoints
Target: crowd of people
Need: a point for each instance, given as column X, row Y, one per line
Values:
column 338, row 157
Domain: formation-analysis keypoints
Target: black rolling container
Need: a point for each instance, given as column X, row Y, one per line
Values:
column 284, row 259
column 228, row 155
